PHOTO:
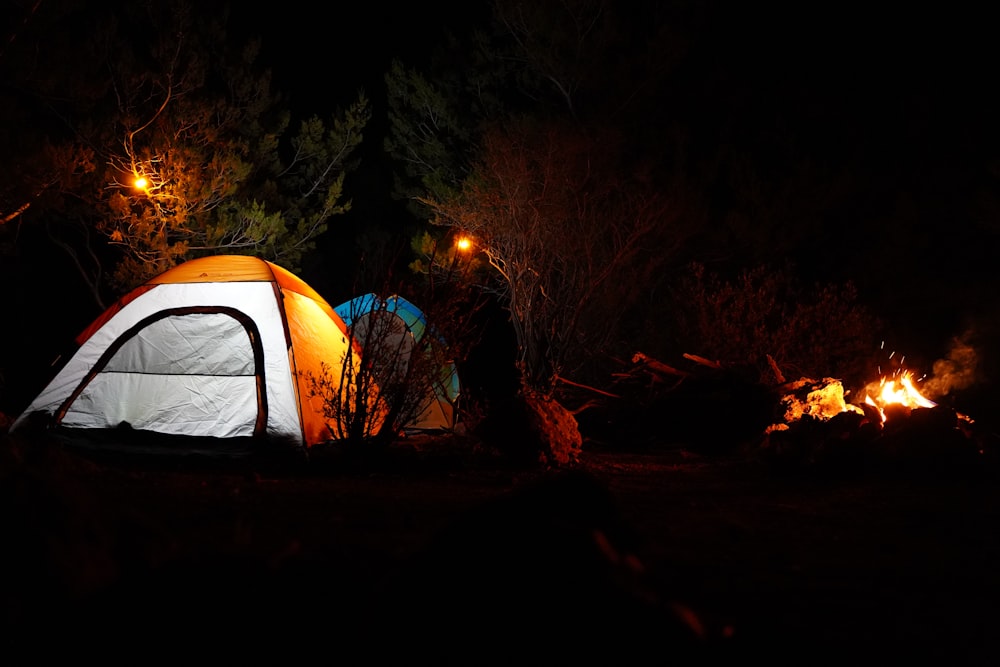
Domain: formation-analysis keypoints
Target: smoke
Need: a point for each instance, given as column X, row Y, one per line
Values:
column 959, row 370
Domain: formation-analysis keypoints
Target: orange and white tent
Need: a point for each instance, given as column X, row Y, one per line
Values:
column 219, row 347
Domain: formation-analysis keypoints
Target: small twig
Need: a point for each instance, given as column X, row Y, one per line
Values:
column 657, row 367
column 778, row 375
column 703, row 361
column 592, row 403
column 589, row 388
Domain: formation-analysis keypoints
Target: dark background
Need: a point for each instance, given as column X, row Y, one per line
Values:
column 874, row 121
column 872, row 124
column 843, row 569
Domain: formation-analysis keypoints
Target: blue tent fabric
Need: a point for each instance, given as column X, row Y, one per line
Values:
column 440, row 412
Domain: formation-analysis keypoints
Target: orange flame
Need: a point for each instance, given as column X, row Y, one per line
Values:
column 897, row 392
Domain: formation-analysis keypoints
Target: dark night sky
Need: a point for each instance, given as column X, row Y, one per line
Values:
column 901, row 97
column 323, row 56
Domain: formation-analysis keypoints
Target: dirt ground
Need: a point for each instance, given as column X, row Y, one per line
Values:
column 438, row 551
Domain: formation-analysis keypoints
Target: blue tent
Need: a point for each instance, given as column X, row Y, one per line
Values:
column 410, row 327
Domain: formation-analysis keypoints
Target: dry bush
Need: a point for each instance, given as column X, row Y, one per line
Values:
column 817, row 331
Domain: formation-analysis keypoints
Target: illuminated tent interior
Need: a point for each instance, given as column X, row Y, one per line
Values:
column 218, row 348
column 404, row 331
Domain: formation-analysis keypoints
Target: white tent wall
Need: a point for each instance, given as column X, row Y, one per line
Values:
column 149, row 402
column 185, row 374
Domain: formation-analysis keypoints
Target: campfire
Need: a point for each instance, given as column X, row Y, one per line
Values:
column 895, row 394
column 890, row 420
column 900, row 419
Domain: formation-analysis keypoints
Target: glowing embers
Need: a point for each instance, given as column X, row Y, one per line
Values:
column 820, row 399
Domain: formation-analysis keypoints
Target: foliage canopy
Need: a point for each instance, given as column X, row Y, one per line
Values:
column 155, row 90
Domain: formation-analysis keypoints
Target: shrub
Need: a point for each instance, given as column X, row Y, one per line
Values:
column 765, row 314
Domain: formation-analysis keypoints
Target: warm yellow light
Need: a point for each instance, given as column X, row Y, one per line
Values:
column 141, row 182
column 896, row 392
column 463, row 243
